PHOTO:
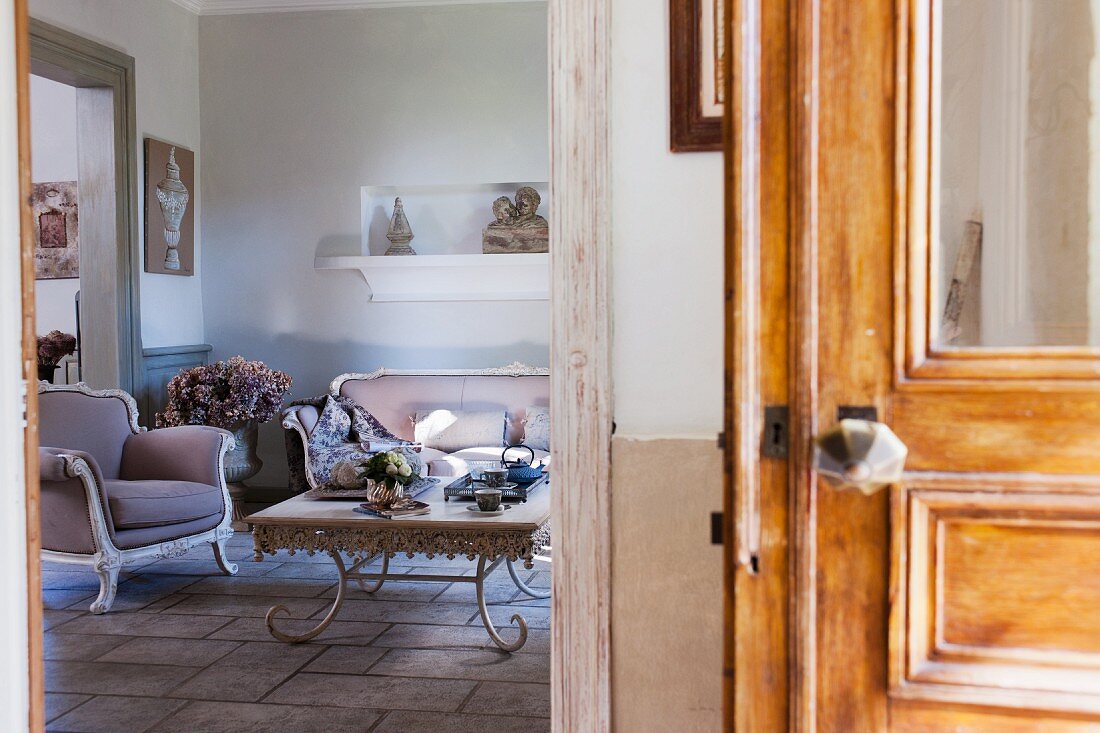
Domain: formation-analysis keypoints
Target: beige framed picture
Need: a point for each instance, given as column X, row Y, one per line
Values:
column 169, row 209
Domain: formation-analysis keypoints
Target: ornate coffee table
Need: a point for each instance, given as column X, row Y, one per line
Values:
column 307, row 525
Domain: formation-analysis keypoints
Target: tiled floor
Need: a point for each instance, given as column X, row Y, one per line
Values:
column 186, row 649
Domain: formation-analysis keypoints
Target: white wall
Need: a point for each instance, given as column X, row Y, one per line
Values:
column 163, row 39
column 667, row 362
column 668, row 245
column 299, row 110
column 53, row 158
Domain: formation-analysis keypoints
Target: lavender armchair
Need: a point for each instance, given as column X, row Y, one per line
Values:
column 113, row 493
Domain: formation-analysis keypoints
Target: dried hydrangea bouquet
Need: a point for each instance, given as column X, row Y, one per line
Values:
column 235, row 394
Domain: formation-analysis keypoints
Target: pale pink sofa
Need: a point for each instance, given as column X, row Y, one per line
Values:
column 394, row 396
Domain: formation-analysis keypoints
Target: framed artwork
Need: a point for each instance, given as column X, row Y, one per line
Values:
column 697, row 48
column 56, row 230
column 169, row 214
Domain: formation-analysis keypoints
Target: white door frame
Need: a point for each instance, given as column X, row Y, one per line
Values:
column 580, row 366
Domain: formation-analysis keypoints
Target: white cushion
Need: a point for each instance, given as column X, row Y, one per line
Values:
column 448, row 466
column 492, row 453
column 452, row 430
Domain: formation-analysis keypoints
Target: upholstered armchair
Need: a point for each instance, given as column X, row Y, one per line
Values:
column 113, row 493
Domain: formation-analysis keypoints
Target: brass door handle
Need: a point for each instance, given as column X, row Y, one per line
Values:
column 859, row 454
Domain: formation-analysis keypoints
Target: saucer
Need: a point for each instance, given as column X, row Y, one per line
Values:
column 497, row 513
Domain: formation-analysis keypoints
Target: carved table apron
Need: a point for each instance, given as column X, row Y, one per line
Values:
column 333, row 527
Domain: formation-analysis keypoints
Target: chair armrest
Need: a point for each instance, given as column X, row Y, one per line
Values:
column 75, row 514
column 185, row 453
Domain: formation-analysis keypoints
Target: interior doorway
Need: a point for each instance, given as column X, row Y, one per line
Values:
column 87, row 193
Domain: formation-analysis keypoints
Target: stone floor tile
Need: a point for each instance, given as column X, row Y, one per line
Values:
column 78, row 647
column 513, row 698
column 352, row 633
column 181, row 652
column 261, row 586
column 249, row 672
column 58, row 703
column 407, row 612
column 541, row 579
column 438, row 561
column 206, row 566
column 416, row 722
column 392, row 591
column 222, row 717
column 537, row 617
column 430, row 636
column 58, row 599
column 225, row 605
column 465, row 665
column 304, row 570
column 345, row 660
column 53, row 619
column 110, row 714
column 75, row 579
column 372, row 692
column 467, row 593
column 107, row 678
column 419, row 570
column 168, row 625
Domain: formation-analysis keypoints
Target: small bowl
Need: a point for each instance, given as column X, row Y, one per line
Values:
column 495, row 477
column 488, row 500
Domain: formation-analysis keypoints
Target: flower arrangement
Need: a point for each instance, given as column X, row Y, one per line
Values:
column 390, row 468
column 53, row 347
column 224, row 394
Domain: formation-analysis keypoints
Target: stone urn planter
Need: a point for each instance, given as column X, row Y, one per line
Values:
column 242, row 462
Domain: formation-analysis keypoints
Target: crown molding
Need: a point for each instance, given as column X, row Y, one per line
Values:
column 238, row 7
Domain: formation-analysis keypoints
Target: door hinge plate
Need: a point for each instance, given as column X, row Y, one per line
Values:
column 717, row 528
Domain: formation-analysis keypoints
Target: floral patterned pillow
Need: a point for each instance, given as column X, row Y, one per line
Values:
column 536, row 428
column 333, row 426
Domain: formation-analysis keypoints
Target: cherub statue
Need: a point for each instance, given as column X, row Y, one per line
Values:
column 505, row 212
column 527, row 204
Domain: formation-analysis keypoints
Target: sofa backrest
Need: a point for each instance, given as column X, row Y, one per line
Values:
column 80, row 419
column 394, row 397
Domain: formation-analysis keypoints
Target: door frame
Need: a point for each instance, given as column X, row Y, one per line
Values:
column 71, row 59
column 580, row 363
column 579, row 37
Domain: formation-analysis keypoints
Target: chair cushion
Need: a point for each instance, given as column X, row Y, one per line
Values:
column 137, row 504
column 536, row 428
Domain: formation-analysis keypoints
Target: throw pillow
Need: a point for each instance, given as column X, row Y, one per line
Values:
column 449, row 430
column 536, row 428
column 333, row 426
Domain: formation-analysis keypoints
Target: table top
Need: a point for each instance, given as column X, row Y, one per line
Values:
column 452, row 515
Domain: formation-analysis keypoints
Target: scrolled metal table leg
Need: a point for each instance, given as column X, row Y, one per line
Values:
column 378, row 583
column 523, row 586
column 516, row 618
column 328, row 619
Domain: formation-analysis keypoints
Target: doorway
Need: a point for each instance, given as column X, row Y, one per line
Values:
column 89, row 189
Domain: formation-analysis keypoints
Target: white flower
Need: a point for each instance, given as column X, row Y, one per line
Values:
column 405, row 470
column 392, row 469
column 346, row 475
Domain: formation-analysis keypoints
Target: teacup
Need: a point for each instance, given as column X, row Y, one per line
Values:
column 488, row 500
column 495, row 477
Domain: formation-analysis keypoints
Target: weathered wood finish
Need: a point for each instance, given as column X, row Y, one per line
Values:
column 963, row 599
column 36, row 713
column 105, row 78
column 580, row 340
column 757, row 352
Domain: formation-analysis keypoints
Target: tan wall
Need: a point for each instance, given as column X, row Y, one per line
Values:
column 666, row 586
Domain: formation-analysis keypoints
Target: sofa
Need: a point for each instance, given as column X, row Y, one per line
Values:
column 394, row 397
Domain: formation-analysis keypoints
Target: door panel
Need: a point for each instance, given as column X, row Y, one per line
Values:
column 1001, row 593
column 966, row 597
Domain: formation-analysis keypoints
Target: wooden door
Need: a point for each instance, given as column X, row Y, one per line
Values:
column 944, row 273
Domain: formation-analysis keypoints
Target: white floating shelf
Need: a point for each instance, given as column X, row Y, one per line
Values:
column 449, row 277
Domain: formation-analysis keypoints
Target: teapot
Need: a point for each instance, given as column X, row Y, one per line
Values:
column 519, row 470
